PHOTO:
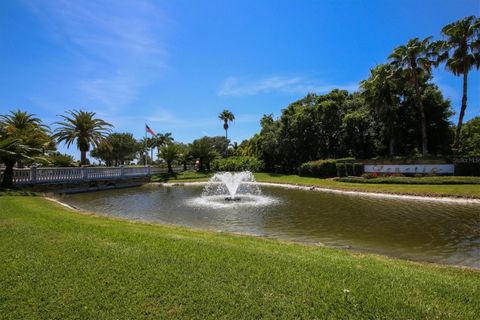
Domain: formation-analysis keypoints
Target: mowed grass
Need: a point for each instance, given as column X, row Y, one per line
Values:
column 60, row 264
column 438, row 190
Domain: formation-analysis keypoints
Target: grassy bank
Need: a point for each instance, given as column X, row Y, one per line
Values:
column 438, row 190
column 55, row 263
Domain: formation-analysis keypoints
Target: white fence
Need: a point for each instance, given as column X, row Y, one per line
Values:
column 78, row 174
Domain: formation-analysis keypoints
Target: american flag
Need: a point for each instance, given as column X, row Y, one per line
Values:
column 147, row 128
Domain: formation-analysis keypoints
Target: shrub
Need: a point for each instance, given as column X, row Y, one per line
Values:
column 369, row 175
column 341, row 170
column 467, row 169
column 319, row 169
column 358, row 169
column 238, row 164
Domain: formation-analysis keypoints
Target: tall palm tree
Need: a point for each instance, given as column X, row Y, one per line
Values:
column 461, row 51
column 84, row 128
column 226, row 116
column 415, row 60
column 379, row 92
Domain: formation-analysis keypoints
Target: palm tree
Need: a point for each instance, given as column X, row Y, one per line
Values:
column 415, row 60
column 29, row 130
column 461, row 52
column 84, row 128
column 226, row 116
column 21, row 120
column 379, row 92
column 169, row 153
column 161, row 139
column 12, row 150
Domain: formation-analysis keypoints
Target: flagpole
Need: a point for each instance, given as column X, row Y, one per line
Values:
column 145, row 154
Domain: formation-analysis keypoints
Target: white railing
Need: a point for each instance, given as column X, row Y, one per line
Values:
column 47, row 175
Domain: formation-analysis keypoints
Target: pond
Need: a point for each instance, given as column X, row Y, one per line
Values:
column 431, row 231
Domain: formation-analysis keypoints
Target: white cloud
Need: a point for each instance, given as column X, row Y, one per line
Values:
column 116, row 46
column 234, row 86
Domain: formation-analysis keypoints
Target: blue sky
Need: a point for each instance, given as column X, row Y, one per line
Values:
column 176, row 64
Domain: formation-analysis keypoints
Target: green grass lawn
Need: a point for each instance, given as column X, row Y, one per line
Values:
column 452, row 190
column 60, row 264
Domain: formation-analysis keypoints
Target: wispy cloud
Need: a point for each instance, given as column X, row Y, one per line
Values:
column 234, row 86
column 116, row 46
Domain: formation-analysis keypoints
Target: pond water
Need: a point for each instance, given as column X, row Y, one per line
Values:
column 412, row 229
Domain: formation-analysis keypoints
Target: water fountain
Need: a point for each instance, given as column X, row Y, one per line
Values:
column 227, row 189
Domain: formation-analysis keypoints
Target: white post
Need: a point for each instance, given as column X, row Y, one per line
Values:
column 33, row 174
column 122, row 172
column 84, row 174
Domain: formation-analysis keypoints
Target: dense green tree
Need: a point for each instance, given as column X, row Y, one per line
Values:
column 205, row 150
column 461, row 52
column 380, row 93
column 117, row 148
column 470, row 145
column 83, row 128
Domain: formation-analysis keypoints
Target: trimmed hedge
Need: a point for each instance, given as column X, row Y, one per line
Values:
column 348, row 169
column 467, row 169
column 238, row 164
column 329, row 168
column 319, row 169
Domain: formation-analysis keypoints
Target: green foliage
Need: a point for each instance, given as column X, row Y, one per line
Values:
column 470, row 145
column 117, row 148
column 319, row 169
column 467, row 169
column 57, row 159
column 23, row 138
column 169, row 153
column 206, row 149
column 238, row 164
column 341, row 169
column 83, row 128
column 358, row 169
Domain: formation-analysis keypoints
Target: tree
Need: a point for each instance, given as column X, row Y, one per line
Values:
column 471, row 138
column 184, row 154
column 12, row 150
column 415, row 60
column 84, row 128
column 205, row 150
column 117, row 148
column 226, row 116
column 169, row 153
column 461, row 51
column 160, row 140
column 379, row 91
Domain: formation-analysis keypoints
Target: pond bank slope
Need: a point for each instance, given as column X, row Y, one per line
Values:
column 56, row 263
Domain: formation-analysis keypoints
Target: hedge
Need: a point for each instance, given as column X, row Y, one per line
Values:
column 467, row 169
column 238, row 164
column 319, row 169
